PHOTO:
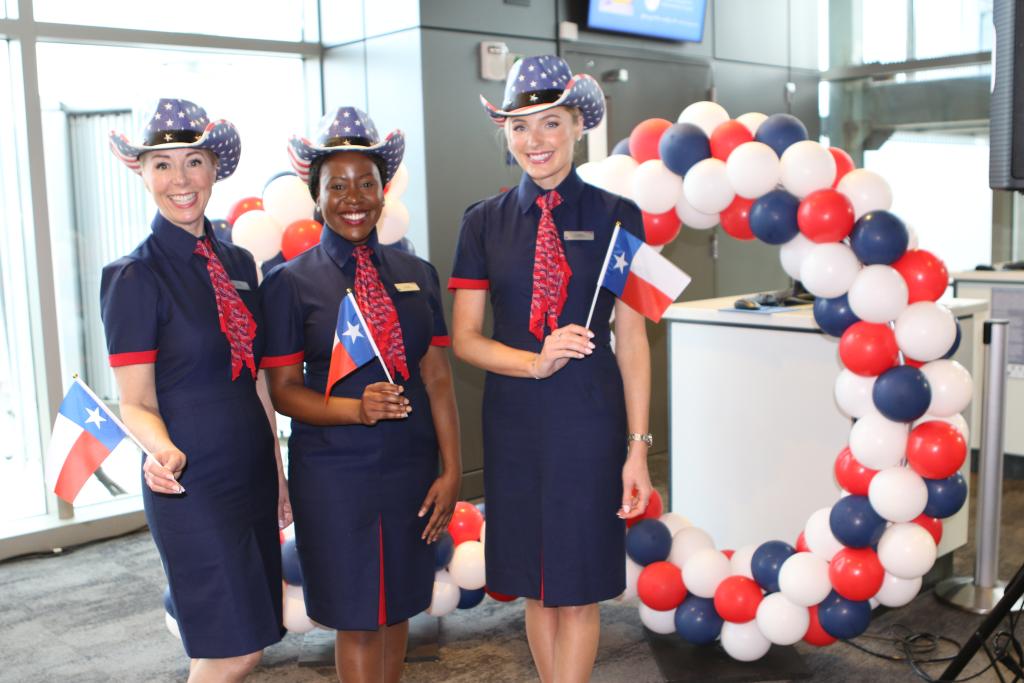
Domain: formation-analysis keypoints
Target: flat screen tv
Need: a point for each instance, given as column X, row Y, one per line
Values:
column 668, row 19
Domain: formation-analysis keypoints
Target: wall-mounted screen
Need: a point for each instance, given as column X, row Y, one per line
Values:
column 669, row 19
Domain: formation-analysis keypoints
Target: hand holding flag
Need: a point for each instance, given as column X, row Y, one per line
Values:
column 353, row 344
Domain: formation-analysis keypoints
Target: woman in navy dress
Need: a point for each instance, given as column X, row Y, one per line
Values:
column 559, row 405
column 184, row 332
column 363, row 454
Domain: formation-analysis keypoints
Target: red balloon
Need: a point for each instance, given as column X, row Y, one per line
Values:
column 932, row 525
column 925, row 273
column 737, row 598
column 660, row 586
column 280, row 536
column 825, row 216
column 661, row 228
column 299, row 236
column 936, row 449
column 851, row 475
column 643, row 141
column 729, row 553
column 856, row 573
column 465, row 523
column 243, row 206
column 653, row 511
column 727, row 137
column 907, row 360
column 844, row 163
column 801, row 544
column 868, row 349
column 735, row 219
column 500, row 597
column 816, row 635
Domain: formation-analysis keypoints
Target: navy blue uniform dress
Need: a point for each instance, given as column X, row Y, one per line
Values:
column 553, row 448
column 219, row 540
column 356, row 490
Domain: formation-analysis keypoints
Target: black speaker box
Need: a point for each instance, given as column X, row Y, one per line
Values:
column 1006, row 124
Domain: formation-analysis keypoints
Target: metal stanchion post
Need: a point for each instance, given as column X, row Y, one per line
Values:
column 980, row 593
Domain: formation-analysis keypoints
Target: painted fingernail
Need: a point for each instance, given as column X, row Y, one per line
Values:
column 181, row 489
column 626, row 509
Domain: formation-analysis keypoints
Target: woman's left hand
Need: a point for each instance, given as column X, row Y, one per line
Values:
column 443, row 495
column 636, row 482
column 284, row 504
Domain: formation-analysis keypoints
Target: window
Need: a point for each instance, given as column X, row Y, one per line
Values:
column 901, row 30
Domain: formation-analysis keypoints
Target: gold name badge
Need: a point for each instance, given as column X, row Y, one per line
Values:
column 407, row 287
column 579, row 235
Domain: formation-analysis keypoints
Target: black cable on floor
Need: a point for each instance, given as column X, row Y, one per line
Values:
column 67, row 550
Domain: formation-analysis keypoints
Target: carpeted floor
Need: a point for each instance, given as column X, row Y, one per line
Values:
column 95, row 614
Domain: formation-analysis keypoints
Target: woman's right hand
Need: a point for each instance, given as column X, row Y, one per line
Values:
column 571, row 341
column 383, row 401
column 162, row 469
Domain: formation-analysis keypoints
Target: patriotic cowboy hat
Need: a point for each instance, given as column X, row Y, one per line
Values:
column 181, row 124
column 538, row 83
column 348, row 129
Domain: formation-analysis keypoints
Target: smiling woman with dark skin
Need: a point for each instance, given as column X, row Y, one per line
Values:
column 363, row 456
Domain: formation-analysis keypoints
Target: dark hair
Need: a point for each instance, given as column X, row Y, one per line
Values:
column 314, row 170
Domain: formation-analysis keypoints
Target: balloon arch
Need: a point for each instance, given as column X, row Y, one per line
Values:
column 759, row 177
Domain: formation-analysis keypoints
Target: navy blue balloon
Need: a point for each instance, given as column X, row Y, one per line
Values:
column 697, row 621
column 291, row 570
column 469, row 599
column 222, row 229
column 766, row 562
column 444, row 550
column 945, row 496
column 773, row 217
column 855, row 523
column 879, row 237
column 404, row 245
column 621, row 147
column 834, row 315
column 649, row 540
column 779, row 131
column 842, row 618
column 271, row 263
column 682, row 145
column 902, row 393
column 276, row 176
column 169, row 603
column 956, row 342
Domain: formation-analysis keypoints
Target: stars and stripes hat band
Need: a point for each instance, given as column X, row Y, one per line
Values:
column 179, row 124
column 536, row 84
column 347, row 129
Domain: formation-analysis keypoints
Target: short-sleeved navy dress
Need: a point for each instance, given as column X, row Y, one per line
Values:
column 218, row 541
column 553, row 448
column 356, row 490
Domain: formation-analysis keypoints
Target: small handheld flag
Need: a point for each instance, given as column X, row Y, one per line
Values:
column 644, row 279
column 353, row 344
column 84, row 434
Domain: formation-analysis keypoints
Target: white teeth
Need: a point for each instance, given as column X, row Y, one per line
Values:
column 539, row 157
column 354, row 217
column 183, row 199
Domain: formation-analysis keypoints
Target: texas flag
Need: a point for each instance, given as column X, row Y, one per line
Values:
column 84, row 434
column 644, row 279
column 353, row 344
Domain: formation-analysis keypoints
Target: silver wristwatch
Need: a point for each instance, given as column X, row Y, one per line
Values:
column 646, row 438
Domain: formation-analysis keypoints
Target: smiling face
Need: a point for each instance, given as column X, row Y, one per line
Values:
column 542, row 143
column 181, row 182
column 351, row 195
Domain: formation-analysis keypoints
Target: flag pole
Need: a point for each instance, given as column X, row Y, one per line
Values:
column 600, row 276
column 99, row 402
column 369, row 334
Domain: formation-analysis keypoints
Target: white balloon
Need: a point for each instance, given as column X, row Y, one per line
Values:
column 925, row 331
column 172, row 625
column 675, row 522
column 706, row 115
column 287, row 200
column 692, row 218
column 912, row 240
column 393, row 224
column 781, row 621
column 258, row 232
column 632, row 576
column 952, row 387
column 897, row 592
column 740, row 560
column 704, row 571
column 898, row 494
column 853, row 393
column 655, row 188
column 446, row 595
column 957, row 421
column 483, row 532
column 617, row 175
column 866, row 190
column 399, row 182
column 744, row 642
column 907, row 551
column 295, row 618
column 707, row 187
column 752, row 120
column 663, row 622
column 877, row 442
column 818, row 535
column 803, row 579
column 828, row 270
column 467, row 565
column 806, row 166
column 792, row 254
column 753, row 169
column 878, row 294
column 590, row 172
column 686, row 542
